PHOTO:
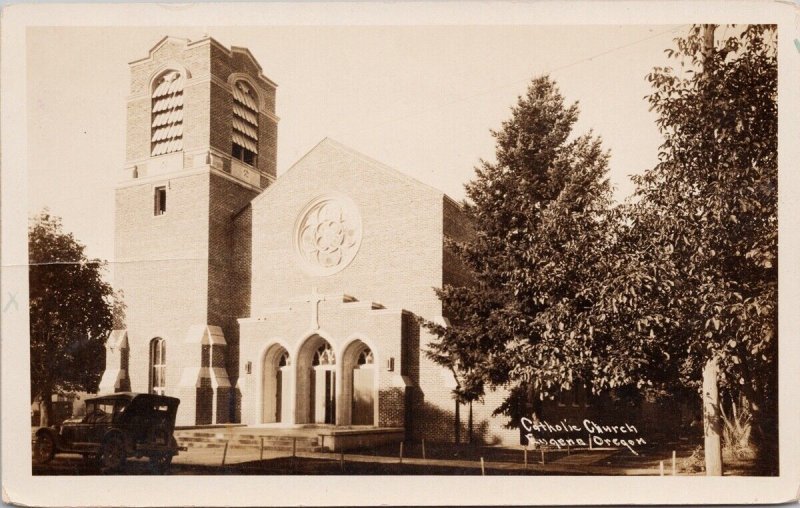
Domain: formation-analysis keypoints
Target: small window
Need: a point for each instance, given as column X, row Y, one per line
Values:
column 160, row 201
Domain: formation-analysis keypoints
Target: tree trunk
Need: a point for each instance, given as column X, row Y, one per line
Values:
column 458, row 423
column 708, row 39
column 712, row 420
column 46, row 409
column 470, row 422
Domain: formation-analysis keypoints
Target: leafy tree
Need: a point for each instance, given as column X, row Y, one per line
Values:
column 70, row 313
column 539, row 212
column 708, row 214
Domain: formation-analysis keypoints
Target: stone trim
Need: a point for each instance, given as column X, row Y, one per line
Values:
column 189, row 172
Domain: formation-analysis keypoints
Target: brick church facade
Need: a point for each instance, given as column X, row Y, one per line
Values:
column 266, row 301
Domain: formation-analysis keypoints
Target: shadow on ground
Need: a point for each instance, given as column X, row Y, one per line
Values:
column 440, row 459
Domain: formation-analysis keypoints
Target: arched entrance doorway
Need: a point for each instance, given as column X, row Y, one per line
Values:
column 316, row 382
column 358, row 388
column 275, row 385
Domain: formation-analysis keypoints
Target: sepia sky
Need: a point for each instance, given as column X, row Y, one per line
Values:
column 420, row 99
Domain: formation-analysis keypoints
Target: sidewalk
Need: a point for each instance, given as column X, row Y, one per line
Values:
column 578, row 463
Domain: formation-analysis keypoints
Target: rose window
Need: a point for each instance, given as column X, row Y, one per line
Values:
column 328, row 234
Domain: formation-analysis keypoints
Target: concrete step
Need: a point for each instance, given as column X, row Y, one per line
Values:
column 238, row 446
column 282, row 443
column 258, row 440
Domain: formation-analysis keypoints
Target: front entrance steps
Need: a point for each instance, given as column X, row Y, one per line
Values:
column 306, row 438
column 236, row 440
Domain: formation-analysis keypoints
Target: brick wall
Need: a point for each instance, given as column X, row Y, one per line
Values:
column 162, row 269
column 172, row 54
column 456, row 228
column 223, row 65
column 196, row 115
column 227, row 301
column 221, row 118
column 196, row 264
column 341, row 325
column 240, row 294
column 399, row 260
column 399, row 263
column 207, row 101
column 176, row 269
column 486, row 427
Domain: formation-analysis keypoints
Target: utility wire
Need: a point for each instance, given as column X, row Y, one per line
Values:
column 516, row 82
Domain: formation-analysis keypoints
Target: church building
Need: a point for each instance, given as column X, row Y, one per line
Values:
column 274, row 301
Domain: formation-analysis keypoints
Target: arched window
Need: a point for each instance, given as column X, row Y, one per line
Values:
column 323, row 356
column 283, row 361
column 158, row 366
column 365, row 357
column 167, row 114
column 245, row 123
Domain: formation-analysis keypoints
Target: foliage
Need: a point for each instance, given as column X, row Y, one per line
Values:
column 692, row 271
column 70, row 311
column 539, row 213
column 713, row 197
column 736, row 433
column 569, row 289
column 711, row 206
column 695, row 463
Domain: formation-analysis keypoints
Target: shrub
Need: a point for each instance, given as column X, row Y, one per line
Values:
column 736, row 432
column 696, row 462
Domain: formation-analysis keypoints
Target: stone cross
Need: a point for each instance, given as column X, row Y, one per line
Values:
column 314, row 300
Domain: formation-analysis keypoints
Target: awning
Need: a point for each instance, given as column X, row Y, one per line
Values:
column 170, row 83
column 245, row 114
column 244, row 98
column 244, row 141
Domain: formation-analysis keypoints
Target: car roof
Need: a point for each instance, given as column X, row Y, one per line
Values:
column 131, row 396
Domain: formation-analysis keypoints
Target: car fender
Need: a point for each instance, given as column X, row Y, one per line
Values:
column 53, row 433
column 117, row 433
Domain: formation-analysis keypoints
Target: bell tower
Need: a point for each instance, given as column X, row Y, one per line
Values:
column 200, row 145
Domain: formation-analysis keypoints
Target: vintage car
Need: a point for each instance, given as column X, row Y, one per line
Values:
column 115, row 427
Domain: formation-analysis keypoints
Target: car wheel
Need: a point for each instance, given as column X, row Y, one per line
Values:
column 159, row 463
column 44, row 448
column 89, row 461
column 112, row 455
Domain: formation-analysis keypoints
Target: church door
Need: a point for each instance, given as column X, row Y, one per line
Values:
column 323, row 395
column 363, row 386
column 277, row 375
column 278, row 395
column 322, row 389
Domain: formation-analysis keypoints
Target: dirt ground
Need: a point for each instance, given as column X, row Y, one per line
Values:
column 436, row 459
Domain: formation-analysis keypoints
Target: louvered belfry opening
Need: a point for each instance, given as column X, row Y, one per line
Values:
column 245, row 124
column 167, row 114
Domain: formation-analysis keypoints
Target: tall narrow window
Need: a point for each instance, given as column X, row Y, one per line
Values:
column 158, row 366
column 160, row 201
column 167, row 114
column 245, row 123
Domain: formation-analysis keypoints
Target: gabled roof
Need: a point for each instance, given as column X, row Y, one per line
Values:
column 158, row 45
column 246, row 52
column 206, row 39
column 349, row 152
